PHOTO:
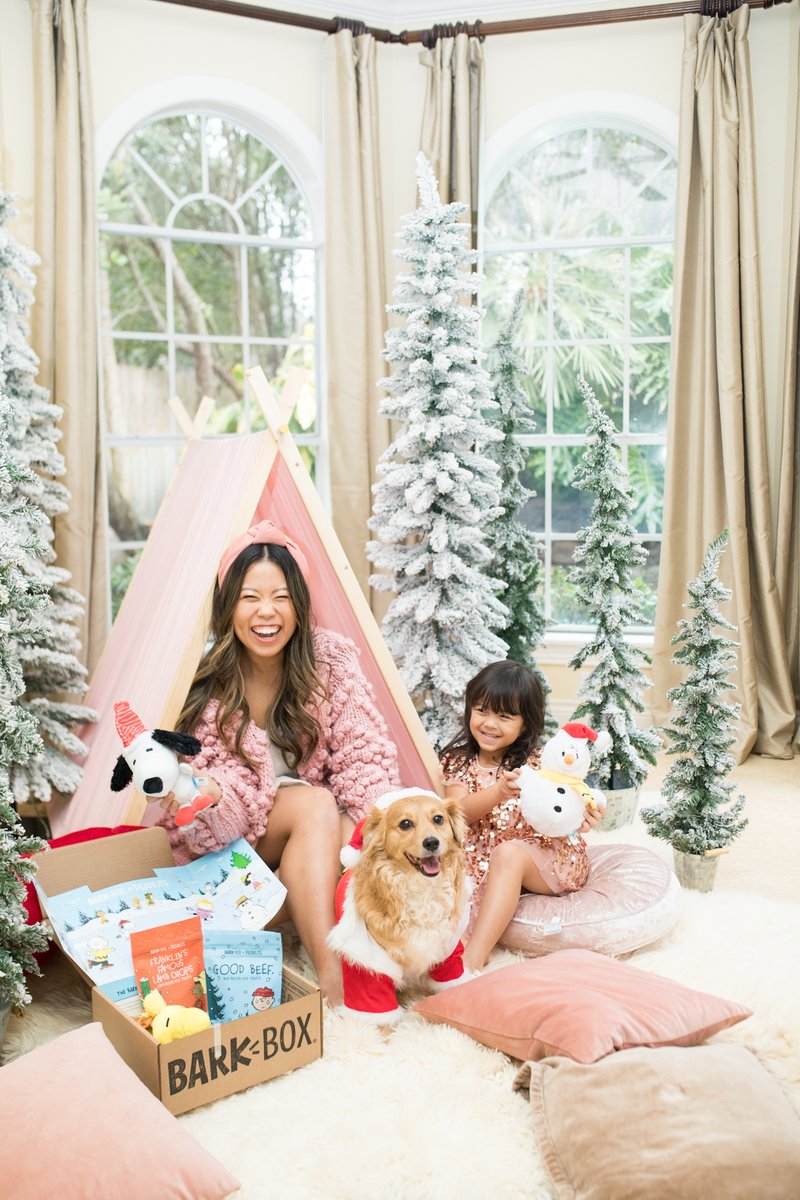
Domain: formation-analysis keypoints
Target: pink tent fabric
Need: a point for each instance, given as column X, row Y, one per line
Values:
column 167, row 602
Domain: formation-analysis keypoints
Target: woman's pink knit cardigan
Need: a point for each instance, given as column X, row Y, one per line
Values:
column 354, row 758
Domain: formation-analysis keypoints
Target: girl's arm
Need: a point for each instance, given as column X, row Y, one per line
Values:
column 475, row 805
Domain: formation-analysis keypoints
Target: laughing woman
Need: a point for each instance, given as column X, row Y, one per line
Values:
column 293, row 749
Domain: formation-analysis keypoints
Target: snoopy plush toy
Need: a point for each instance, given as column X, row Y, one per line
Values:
column 552, row 799
column 150, row 760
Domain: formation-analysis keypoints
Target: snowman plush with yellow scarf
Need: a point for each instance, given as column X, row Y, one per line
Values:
column 553, row 799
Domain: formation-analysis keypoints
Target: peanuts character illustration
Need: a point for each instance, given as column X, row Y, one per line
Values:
column 199, row 991
column 99, row 951
column 203, row 907
column 263, row 997
column 251, row 916
column 103, row 918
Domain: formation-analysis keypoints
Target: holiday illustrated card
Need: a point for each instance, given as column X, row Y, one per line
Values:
column 231, row 888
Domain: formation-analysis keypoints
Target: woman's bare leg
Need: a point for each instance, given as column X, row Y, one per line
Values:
column 510, row 870
column 304, row 837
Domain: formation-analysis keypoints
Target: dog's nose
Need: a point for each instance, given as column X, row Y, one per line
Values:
column 152, row 786
column 431, row 844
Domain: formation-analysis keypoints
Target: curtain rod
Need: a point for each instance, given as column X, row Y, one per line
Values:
column 481, row 29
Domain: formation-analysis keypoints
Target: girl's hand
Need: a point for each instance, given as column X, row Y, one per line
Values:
column 507, row 784
column 591, row 817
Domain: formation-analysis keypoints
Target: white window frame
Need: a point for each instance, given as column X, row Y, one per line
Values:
column 299, row 151
column 507, row 145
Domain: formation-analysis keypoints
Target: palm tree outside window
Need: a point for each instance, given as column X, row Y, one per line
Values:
column 583, row 222
column 208, row 266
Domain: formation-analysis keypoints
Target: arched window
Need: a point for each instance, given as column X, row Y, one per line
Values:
column 582, row 220
column 208, row 266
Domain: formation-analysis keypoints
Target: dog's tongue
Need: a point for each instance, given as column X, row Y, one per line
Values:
column 430, row 865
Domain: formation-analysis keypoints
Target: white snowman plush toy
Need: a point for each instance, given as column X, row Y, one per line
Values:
column 552, row 800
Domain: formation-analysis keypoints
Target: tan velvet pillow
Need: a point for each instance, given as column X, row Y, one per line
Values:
column 581, row 1004
column 707, row 1123
column 78, row 1125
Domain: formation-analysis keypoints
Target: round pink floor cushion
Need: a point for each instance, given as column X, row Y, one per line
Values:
column 630, row 899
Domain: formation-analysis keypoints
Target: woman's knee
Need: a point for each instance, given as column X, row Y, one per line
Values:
column 315, row 808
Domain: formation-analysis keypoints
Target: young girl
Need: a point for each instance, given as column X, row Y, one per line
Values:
column 503, row 724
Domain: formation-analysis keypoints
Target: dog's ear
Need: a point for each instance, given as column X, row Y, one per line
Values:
column 181, row 743
column 122, row 775
column 457, row 821
column 374, row 829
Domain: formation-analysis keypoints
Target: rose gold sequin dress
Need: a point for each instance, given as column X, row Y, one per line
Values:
column 563, row 864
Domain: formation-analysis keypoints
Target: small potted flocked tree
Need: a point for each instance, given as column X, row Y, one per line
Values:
column 696, row 814
column 607, row 552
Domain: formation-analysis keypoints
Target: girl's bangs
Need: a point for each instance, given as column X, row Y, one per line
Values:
column 502, row 697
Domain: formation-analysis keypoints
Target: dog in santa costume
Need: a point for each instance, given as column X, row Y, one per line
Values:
column 402, row 904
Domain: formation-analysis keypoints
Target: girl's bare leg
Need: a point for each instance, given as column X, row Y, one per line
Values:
column 303, row 838
column 510, row 870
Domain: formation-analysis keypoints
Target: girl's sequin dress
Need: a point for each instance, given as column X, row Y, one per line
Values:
column 562, row 862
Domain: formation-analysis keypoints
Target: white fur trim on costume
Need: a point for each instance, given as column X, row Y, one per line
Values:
column 372, row 1018
column 402, row 794
column 349, row 856
column 351, row 938
column 448, row 983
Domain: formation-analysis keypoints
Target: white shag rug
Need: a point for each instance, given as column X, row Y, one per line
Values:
column 425, row 1113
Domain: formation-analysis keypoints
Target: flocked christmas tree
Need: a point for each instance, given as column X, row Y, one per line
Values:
column 23, row 608
column 696, row 812
column 50, row 667
column 438, row 489
column 608, row 553
column 517, row 556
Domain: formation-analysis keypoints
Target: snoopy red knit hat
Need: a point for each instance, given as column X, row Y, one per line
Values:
column 128, row 724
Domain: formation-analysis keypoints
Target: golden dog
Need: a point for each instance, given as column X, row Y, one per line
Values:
column 403, row 907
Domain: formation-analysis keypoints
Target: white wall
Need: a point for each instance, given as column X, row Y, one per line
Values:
column 139, row 48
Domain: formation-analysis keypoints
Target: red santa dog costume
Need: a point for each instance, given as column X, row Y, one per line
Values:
column 371, row 976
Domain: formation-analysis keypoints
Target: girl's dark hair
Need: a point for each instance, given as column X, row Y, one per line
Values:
column 507, row 687
column 220, row 675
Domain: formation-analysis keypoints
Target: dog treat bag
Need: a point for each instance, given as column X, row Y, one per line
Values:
column 169, row 959
column 243, row 972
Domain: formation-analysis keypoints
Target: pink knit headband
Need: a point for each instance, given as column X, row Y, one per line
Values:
column 262, row 534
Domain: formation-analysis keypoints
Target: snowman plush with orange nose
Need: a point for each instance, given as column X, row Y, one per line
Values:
column 553, row 799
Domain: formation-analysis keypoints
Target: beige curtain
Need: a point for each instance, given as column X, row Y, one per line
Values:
column 355, row 289
column 64, row 316
column 787, row 551
column 717, row 468
column 452, row 118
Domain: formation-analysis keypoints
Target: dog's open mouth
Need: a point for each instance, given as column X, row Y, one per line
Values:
column 426, row 866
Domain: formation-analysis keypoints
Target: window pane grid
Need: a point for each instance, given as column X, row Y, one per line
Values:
column 218, row 196
column 587, row 200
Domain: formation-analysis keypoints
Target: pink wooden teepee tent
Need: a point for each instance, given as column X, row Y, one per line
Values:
column 221, row 486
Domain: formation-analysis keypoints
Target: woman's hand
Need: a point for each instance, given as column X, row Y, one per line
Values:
column 207, row 785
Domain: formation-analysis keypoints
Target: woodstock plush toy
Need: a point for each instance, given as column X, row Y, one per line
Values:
column 552, row 800
column 173, row 1021
column 150, row 759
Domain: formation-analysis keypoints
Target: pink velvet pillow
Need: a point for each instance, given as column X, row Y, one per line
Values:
column 579, row 1004
column 79, row 1125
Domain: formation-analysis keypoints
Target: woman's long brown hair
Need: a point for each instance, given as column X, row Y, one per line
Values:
column 220, row 676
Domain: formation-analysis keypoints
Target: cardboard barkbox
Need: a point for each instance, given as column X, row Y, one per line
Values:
column 205, row 1066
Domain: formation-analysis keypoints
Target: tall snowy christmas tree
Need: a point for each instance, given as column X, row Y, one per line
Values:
column 696, row 813
column 608, row 551
column 517, row 555
column 50, row 667
column 23, row 606
column 438, row 490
